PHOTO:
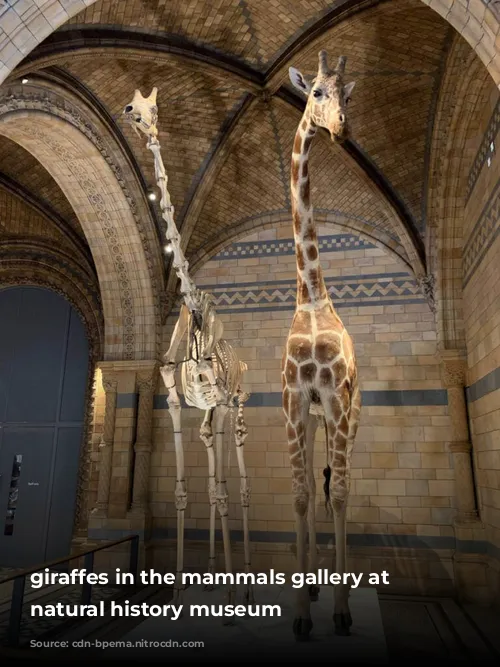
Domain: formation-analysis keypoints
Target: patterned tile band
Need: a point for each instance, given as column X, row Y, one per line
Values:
column 483, row 152
column 332, row 243
column 371, row 398
column 483, row 235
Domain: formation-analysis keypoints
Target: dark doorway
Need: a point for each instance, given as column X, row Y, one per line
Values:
column 43, row 380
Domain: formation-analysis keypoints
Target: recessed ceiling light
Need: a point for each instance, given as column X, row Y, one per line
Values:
column 492, row 147
column 168, row 248
column 489, row 162
column 24, row 80
column 152, row 195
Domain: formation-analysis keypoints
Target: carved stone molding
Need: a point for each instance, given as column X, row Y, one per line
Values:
column 454, row 372
column 146, row 384
column 109, row 382
column 55, row 104
column 427, row 285
column 460, row 447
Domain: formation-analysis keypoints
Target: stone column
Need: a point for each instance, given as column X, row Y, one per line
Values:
column 146, row 384
column 454, row 378
column 109, row 383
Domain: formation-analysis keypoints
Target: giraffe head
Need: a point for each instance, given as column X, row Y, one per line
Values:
column 328, row 96
column 142, row 113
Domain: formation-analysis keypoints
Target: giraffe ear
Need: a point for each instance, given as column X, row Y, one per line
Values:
column 299, row 81
column 348, row 89
column 152, row 96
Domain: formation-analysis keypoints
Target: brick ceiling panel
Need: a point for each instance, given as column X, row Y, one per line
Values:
column 255, row 180
column 250, row 183
column 19, row 165
column 334, row 185
column 395, row 52
column 18, row 219
column 221, row 25
column 193, row 105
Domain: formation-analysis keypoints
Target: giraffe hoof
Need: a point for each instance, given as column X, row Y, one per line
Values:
column 302, row 628
column 342, row 624
column 313, row 593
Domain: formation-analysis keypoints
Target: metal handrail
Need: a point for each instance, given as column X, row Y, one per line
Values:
column 19, row 579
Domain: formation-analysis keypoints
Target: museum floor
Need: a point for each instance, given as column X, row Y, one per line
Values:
column 421, row 627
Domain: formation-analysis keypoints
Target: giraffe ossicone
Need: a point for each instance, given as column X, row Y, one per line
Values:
column 319, row 371
column 211, row 374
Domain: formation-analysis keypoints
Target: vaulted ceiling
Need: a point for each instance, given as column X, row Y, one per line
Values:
column 228, row 113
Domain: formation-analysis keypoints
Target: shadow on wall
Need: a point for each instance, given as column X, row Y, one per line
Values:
column 413, row 566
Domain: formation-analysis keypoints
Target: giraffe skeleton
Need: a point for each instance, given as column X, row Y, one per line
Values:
column 211, row 373
column 319, row 371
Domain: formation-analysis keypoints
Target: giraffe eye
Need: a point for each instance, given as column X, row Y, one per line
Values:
column 317, row 93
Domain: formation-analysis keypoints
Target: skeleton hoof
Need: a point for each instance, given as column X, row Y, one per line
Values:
column 302, row 628
column 342, row 624
column 313, row 593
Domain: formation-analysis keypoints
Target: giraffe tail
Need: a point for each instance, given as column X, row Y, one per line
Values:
column 327, row 474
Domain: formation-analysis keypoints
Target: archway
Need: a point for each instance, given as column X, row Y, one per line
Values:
column 44, row 365
column 107, row 219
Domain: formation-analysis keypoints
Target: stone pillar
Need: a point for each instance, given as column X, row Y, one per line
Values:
column 469, row 568
column 454, row 378
column 109, row 383
column 146, row 384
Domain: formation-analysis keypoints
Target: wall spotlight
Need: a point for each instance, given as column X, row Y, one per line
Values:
column 151, row 195
column 168, row 248
column 24, row 80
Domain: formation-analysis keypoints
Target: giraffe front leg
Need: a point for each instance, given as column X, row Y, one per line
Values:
column 296, row 409
column 180, row 492
column 241, row 434
column 338, row 459
column 222, row 498
column 167, row 372
column 207, row 436
column 312, row 426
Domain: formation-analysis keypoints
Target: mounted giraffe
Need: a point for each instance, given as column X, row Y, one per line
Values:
column 319, row 371
column 211, row 374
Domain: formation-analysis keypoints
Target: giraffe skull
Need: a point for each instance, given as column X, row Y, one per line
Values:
column 328, row 96
column 142, row 113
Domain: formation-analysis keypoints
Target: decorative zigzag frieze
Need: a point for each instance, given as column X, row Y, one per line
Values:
column 332, row 243
column 483, row 235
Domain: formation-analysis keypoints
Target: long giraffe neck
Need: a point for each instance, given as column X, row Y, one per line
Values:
column 311, row 288
column 193, row 297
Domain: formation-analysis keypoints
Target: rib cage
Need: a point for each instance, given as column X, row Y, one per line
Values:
column 227, row 367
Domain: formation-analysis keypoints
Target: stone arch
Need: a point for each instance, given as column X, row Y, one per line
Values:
column 461, row 87
column 105, row 214
column 28, row 24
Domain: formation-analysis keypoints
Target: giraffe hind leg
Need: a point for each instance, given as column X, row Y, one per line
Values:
column 337, row 414
column 296, row 409
column 207, row 436
column 311, row 429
